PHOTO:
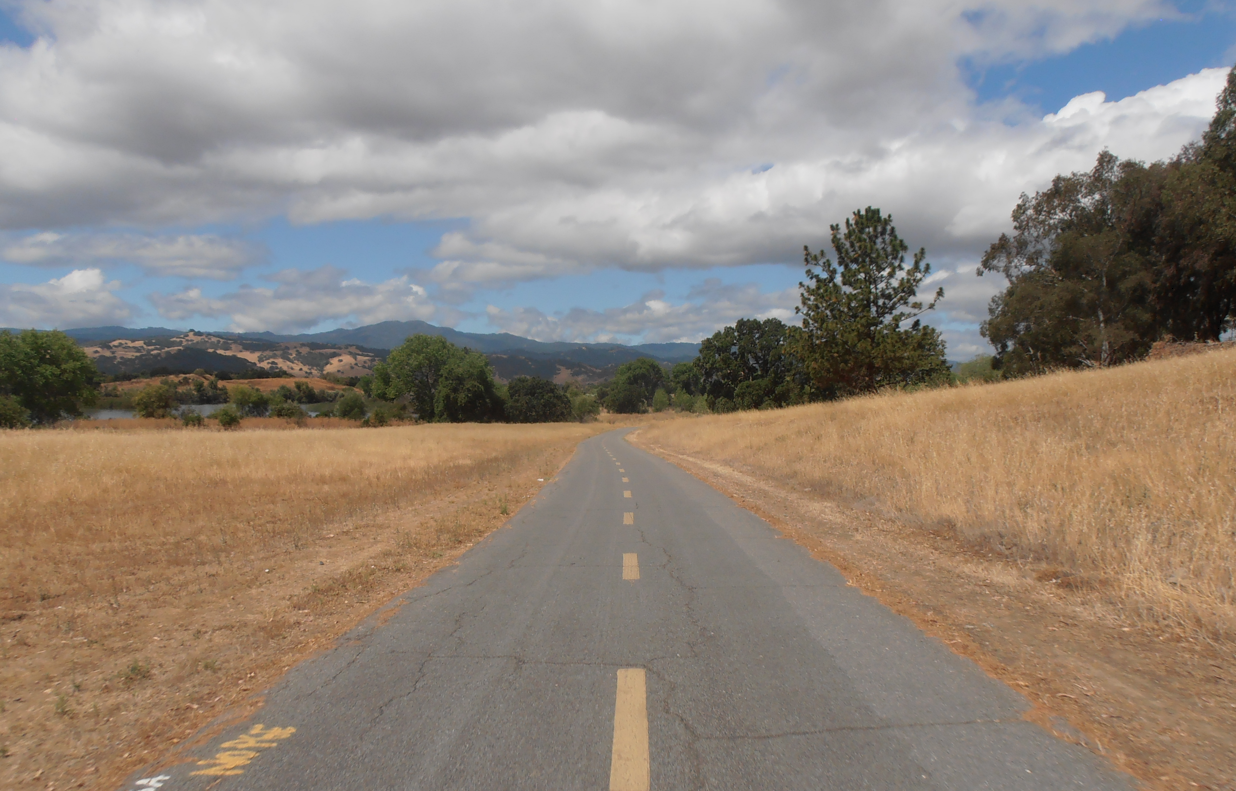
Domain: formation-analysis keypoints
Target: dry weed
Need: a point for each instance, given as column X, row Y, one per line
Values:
column 1124, row 477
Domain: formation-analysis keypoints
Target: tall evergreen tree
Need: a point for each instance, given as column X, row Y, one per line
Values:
column 861, row 328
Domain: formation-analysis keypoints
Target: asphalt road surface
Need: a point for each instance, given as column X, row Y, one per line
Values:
column 632, row 629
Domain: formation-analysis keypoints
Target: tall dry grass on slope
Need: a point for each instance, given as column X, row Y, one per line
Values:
column 92, row 513
column 1125, row 476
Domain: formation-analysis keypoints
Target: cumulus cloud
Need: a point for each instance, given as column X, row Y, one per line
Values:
column 303, row 299
column 82, row 298
column 652, row 319
column 186, row 255
column 640, row 136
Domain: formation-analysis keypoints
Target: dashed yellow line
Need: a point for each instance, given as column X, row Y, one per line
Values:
column 629, row 766
column 630, row 566
column 626, row 480
column 627, row 493
column 628, row 518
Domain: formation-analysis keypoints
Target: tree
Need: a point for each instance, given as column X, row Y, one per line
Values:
column 634, row 385
column 441, row 381
column 250, row 401
column 12, row 414
column 535, row 400
column 1195, row 283
column 626, row 398
column 228, row 417
column 1080, row 271
column 685, row 378
column 47, row 374
column 749, row 366
column 412, row 372
column 585, row 407
column 154, row 401
column 467, row 392
column 660, row 400
column 351, row 407
column 854, row 337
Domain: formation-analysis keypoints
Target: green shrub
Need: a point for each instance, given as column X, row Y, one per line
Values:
column 286, row 409
column 585, row 407
column 660, row 400
column 532, row 399
column 191, row 419
column 12, row 414
column 155, row 401
column 228, row 417
column 351, row 406
column 249, row 401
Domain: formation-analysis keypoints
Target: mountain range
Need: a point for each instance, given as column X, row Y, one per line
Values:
column 351, row 352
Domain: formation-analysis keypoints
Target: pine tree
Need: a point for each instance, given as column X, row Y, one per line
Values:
column 854, row 336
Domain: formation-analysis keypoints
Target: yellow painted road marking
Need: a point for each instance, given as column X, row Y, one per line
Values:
column 627, row 493
column 628, row 518
column 621, row 470
column 628, row 768
column 626, row 480
column 630, row 566
column 242, row 750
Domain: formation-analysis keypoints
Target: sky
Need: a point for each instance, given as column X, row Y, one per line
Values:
column 630, row 171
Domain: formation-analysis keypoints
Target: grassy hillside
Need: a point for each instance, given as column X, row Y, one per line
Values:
column 1123, row 478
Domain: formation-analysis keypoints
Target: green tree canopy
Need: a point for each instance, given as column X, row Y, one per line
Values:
column 440, row 381
column 1079, row 267
column 855, row 337
column 749, row 366
column 155, row 401
column 685, row 378
column 634, row 385
column 47, row 374
column 531, row 399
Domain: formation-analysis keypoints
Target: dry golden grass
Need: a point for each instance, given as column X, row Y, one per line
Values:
column 1124, row 478
column 151, row 578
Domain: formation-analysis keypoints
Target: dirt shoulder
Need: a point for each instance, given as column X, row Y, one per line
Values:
column 1157, row 703
column 95, row 688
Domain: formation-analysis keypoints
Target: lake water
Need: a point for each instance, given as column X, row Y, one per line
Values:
column 124, row 414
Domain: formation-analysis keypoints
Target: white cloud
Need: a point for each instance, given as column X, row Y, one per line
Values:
column 82, row 298
column 304, row 299
column 573, row 136
column 652, row 319
column 186, row 255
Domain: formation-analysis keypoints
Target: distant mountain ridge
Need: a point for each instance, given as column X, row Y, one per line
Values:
column 352, row 352
column 386, row 335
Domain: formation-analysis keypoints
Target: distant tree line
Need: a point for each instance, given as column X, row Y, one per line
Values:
column 431, row 379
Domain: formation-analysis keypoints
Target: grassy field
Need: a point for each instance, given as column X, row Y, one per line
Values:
column 1122, row 478
column 150, row 579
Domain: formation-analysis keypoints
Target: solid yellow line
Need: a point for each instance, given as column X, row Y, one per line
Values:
column 630, row 566
column 626, row 480
column 627, row 493
column 628, row 518
column 628, row 768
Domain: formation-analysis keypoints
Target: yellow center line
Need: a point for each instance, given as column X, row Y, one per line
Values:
column 621, row 470
column 626, row 480
column 630, row 566
column 628, row 768
column 628, row 518
column 626, row 493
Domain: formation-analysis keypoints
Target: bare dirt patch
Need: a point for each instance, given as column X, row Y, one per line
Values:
column 152, row 581
column 1156, row 700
